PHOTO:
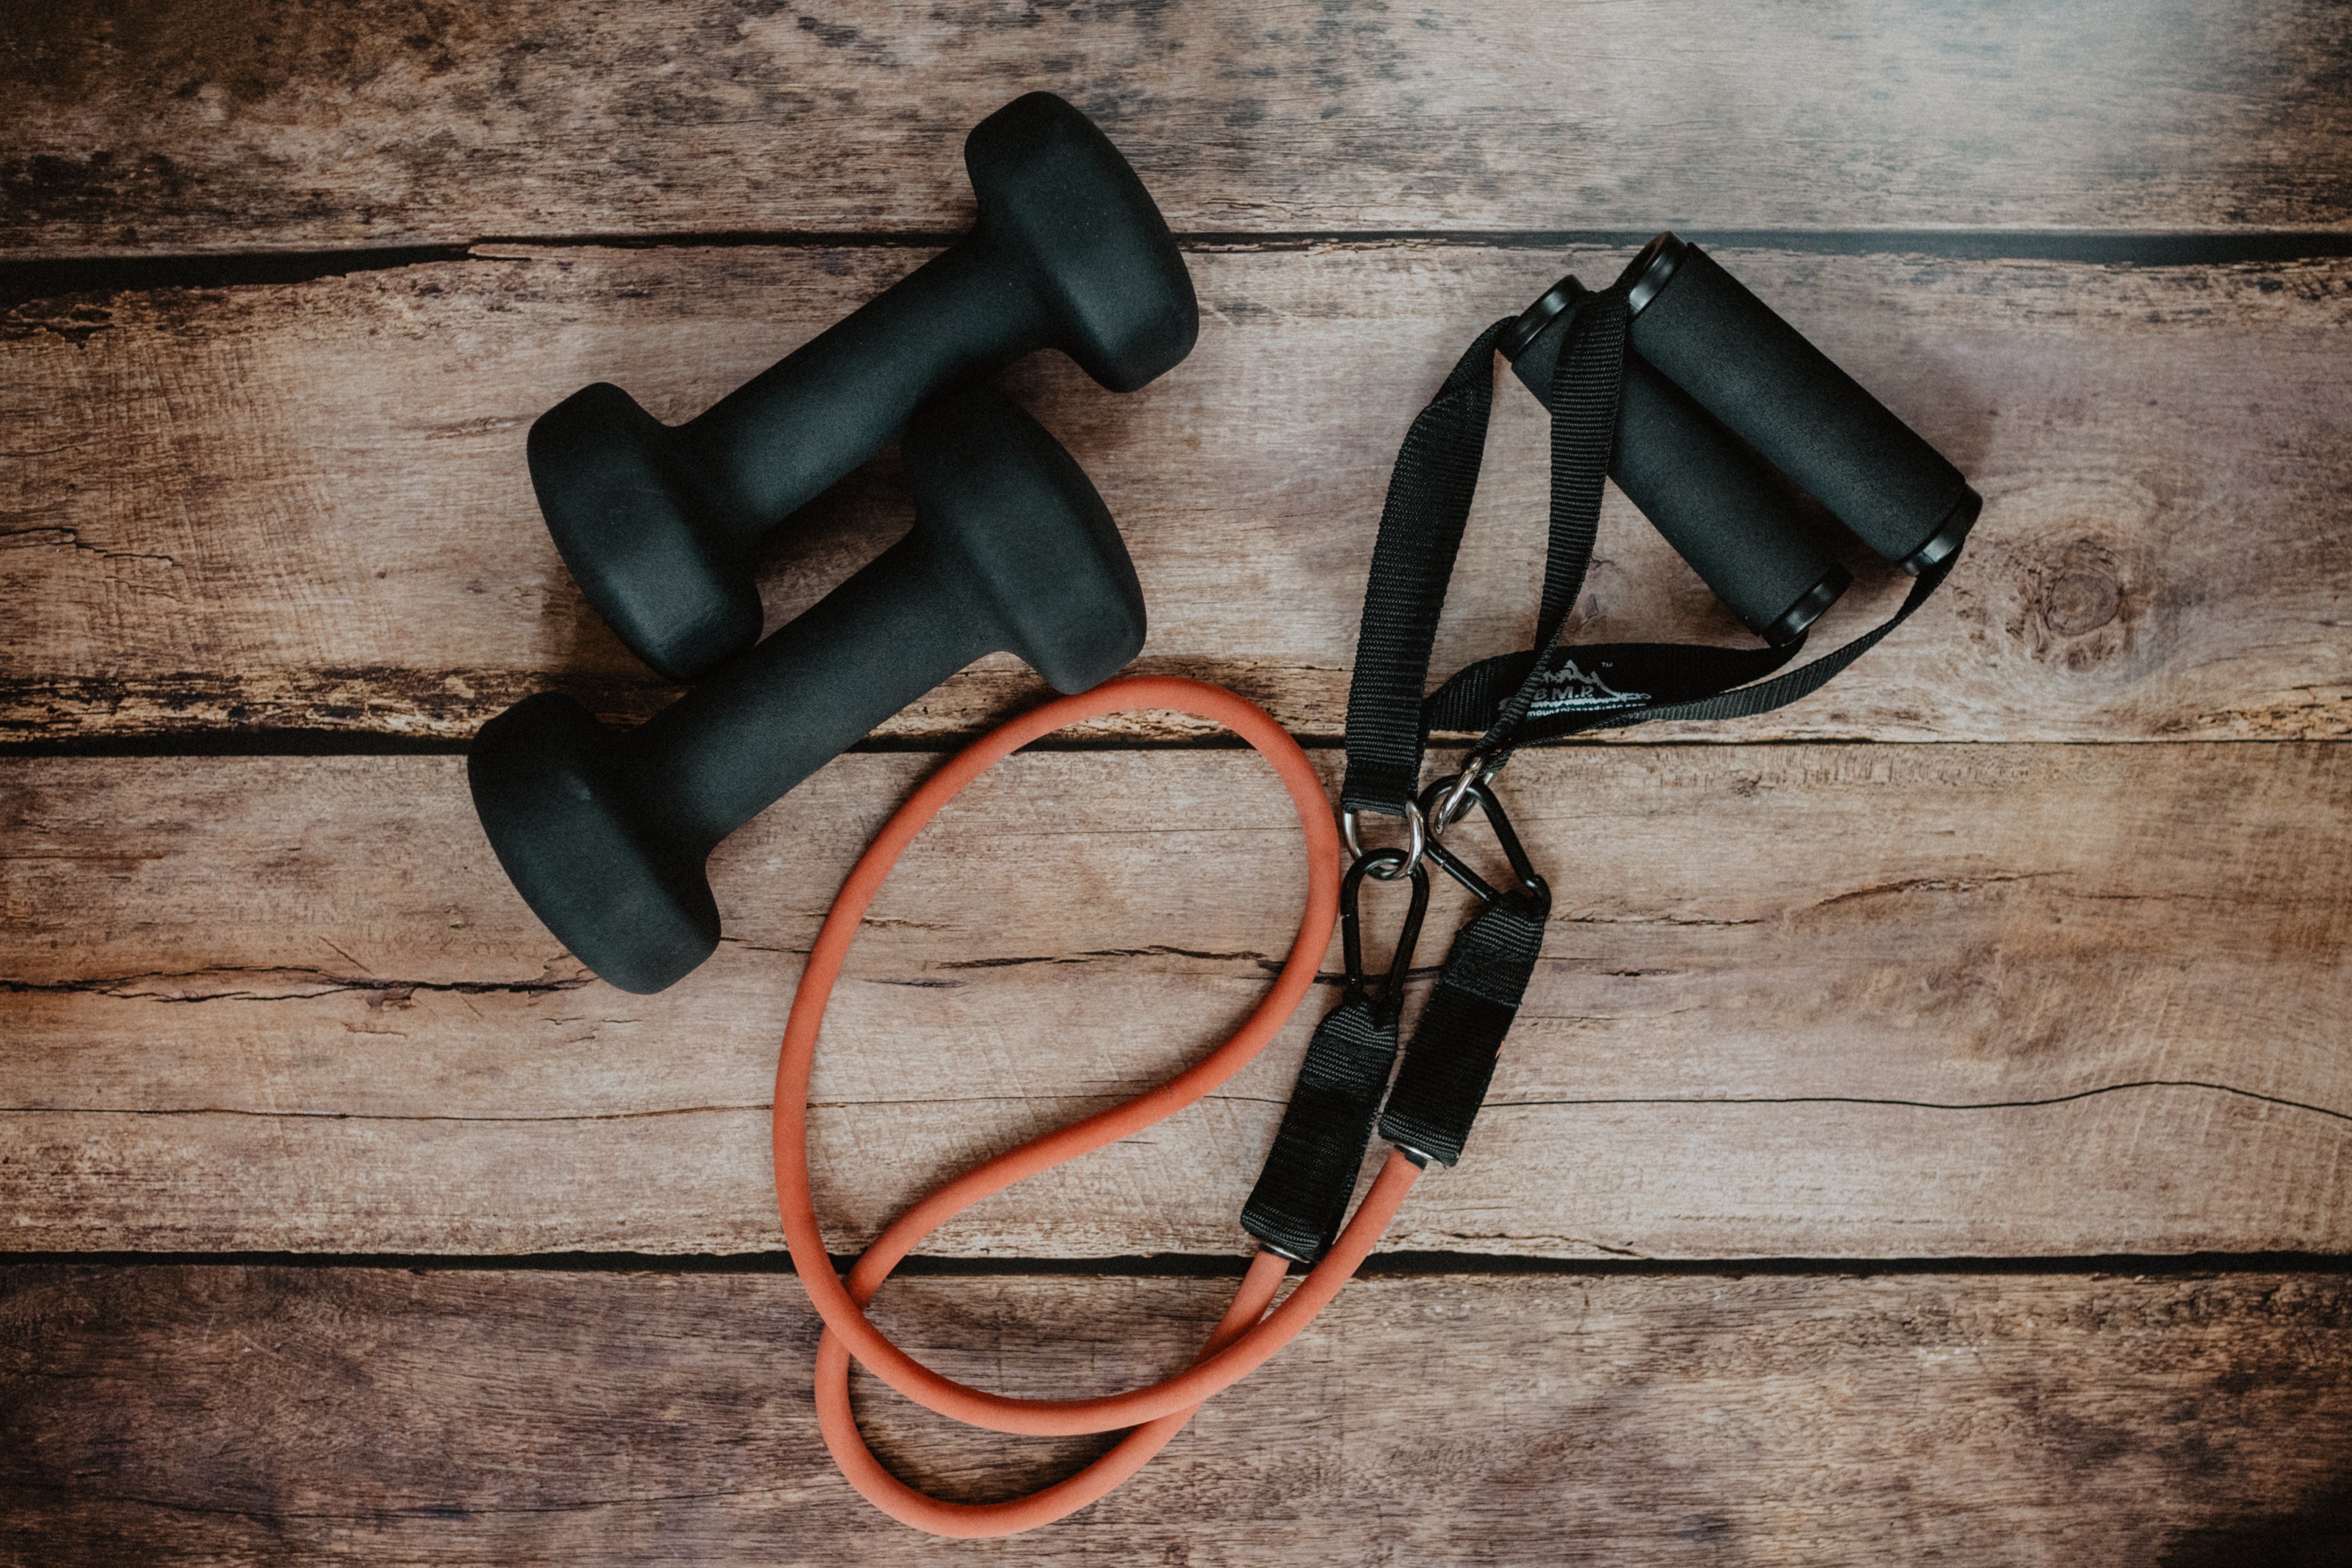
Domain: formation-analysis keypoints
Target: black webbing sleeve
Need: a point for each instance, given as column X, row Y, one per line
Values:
column 1428, row 501
column 1302, row 1194
column 1451, row 1057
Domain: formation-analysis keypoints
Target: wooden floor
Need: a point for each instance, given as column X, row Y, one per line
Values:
column 1928, row 1137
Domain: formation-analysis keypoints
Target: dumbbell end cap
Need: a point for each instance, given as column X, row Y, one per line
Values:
column 624, row 518
column 548, row 791
column 1015, row 522
column 1808, row 608
column 1948, row 534
column 1055, row 191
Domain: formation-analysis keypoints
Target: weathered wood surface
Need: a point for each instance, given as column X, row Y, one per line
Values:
column 1861, row 1001
column 382, row 1415
column 240, row 125
column 306, row 505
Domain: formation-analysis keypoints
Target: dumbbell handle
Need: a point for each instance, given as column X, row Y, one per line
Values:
column 726, row 750
column 768, row 447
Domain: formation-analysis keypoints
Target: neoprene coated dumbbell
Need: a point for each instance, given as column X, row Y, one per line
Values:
column 605, row 833
column 1718, row 503
column 656, row 523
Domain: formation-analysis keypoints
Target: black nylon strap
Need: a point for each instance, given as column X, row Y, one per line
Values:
column 1429, row 497
column 1585, row 381
column 1596, row 678
column 1609, row 686
column 1451, row 1057
column 1302, row 1192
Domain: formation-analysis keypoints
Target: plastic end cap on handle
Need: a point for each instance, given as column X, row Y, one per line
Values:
column 1652, row 270
column 1539, row 315
column 1800, row 617
column 1949, row 535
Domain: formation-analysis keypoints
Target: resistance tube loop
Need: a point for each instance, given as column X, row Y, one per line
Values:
column 1249, row 1334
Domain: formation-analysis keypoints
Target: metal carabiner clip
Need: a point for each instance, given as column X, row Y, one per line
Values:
column 1351, row 930
column 1454, row 801
column 1473, row 787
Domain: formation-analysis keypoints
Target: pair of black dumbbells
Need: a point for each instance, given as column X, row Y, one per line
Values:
column 605, row 833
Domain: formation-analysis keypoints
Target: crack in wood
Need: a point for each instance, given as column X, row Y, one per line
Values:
column 1155, row 950
column 1931, row 885
column 1934, row 1104
column 328, row 984
column 1037, row 1099
column 391, row 1511
column 375, row 1116
column 72, row 536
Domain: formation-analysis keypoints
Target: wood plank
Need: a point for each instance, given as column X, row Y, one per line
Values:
column 261, row 1415
column 1819, row 1001
column 268, row 123
column 305, row 506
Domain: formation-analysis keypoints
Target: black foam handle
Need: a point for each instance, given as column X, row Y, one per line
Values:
column 1715, row 501
column 1702, row 328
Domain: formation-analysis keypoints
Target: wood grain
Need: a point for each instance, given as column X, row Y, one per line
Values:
column 305, row 506
column 266, row 1415
column 241, row 125
column 1860, row 1001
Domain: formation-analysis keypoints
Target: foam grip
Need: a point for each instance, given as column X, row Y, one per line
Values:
column 1731, row 353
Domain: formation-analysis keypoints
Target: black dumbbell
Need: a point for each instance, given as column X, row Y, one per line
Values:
column 656, row 523
column 605, row 833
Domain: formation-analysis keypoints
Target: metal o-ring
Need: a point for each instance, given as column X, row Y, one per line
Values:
column 1416, row 842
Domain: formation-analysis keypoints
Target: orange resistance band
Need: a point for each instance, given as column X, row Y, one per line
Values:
column 1249, row 1333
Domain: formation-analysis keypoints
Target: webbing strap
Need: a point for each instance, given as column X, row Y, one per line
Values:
column 1452, row 1058
column 1585, row 381
column 1609, row 686
column 1428, row 496
column 1302, row 1192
